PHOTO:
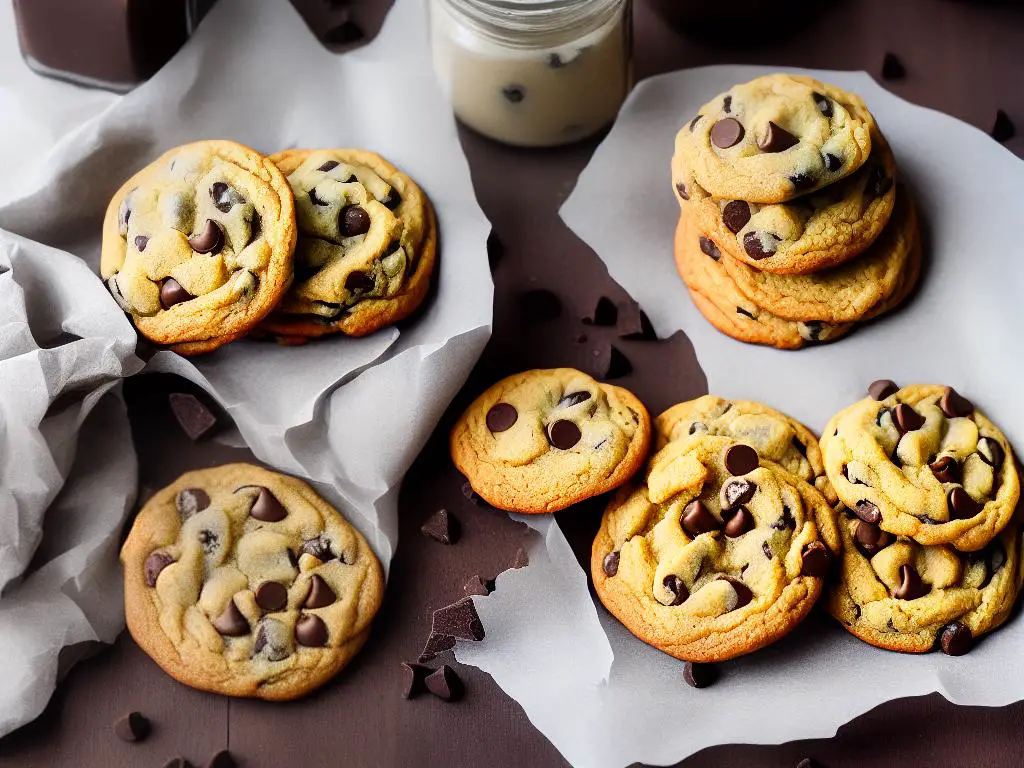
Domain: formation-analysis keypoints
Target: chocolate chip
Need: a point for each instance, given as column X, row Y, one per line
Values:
column 743, row 593
column 727, row 104
column 192, row 414
column 767, row 549
column 823, row 103
column 320, row 594
column 739, row 523
column 231, row 622
column 436, row 644
column 1003, row 128
column 540, row 304
column 271, row 596
column 675, row 585
column 961, row 505
column 442, row 527
column 190, row 501
column 445, row 684
column 786, row 521
column 353, row 221
column 224, row 197
column 359, row 282
column 991, row 452
column 870, row 538
column 802, row 181
column 141, row 241
column 501, row 417
column 564, row 434
column 946, row 469
column 132, row 727
column 954, row 404
column 760, row 246
column 267, row 508
column 320, row 548
column 605, row 313
column 892, row 68
column 693, row 123
column 310, row 631
column 699, row 675
column 708, row 248
column 906, row 418
column 816, row 560
column 315, row 199
column 573, row 398
column 414, row 676
column 459, row 620
column 736, row 491
column 210, row 240
column 478, row 586
column 741, row 459
column 634, row 324
column 727, row 132
column 346, row 33
column 776, row 139
column 882, row 389
column 514, row 93
column 833, row 162
column 611, row 564
column 392, row 199
column 735, row 215
column 956, row 639
column 330, row 165
column 271, row 640
column 607, row 362
column 697, row 519
column 683, row 192
column 172, row 293
column 911, row 587
column 222, row 759
column 867, row 512
column 155, row 563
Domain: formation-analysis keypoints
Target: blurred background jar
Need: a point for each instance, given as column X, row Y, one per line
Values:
column 533, row 73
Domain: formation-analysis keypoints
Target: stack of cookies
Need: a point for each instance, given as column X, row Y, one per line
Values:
column 793, row 229
column 213, row 241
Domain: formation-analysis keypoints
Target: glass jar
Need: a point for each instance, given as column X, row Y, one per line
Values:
column 534, row 73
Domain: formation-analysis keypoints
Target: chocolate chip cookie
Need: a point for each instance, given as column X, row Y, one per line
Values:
column 366, row 249
column 897, row 594
column 924, row 463
column 808, row 234
column 198, row 246
column 542, row 440
column 775, row 138
column 245, row 582
column 718, row 554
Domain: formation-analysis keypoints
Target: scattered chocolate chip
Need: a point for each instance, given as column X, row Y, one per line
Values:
column 540, row 304
column 693, row 123
column 870, row 538
column 611, row 564
column 991, row 452
column 954, row 404
column 354, row 220
column 271, row 596
column 320, row 548
column 946, row 469
column 605, row 313
column 171, row 293
column 564, row 434
column 735, row 215
column 743, row 593
column 867, row 512
column 634, row 324
column 911, row 587
column 231, row 622
column 310, row 631
column 760, row 245
column 802, row 181
column 699, row 675
column 141, row 241
column 132, row 727
column 267, row 508
column 741, row 459
column 739, row 523
column 708, row 248
column 683, row 192
column 436, row 644
column 330, row 165
column 736, row 491
column 459, row 620
column 501, row 417
column 675, row 585
column 514, row 93
column 833, row 162
column 1003, row 128
column 961, row 505
column 697, row 519
column 392, row 199
column 445, row 684
column 320, row 594
column 892, row 68
column 210, row 240
column 224, row 197
column 346, row 33
column 573, row 398
column 190, row 501
column 882, row 389
column 906, row 418
column 727, row 104
column 824, row 104
column 776, row 139
column 359, row 282
column 607, row 362
column 816, row 560
column 414, row 677
column 727, row 132
column 442, row 526
column 495, row 250
column 786, row 521
column 222, row 759
column 155, row 563
column 194, row 417
column 478, row 586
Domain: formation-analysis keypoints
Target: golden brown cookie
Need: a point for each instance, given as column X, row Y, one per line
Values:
column 245, row 582
column 542, row 440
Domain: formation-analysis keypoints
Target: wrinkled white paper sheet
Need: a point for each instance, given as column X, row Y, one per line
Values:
column 603, row 697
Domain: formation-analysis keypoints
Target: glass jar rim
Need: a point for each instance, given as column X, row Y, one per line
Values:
column 523, row 21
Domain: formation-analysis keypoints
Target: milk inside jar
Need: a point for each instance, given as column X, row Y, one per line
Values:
column 533, row 72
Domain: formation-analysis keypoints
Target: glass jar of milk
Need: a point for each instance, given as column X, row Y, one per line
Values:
column 535, row 73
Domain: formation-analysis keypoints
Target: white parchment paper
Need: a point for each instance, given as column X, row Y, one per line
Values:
column 603, row 697
column 348, row 414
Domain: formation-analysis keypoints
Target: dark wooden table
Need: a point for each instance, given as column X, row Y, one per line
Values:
column 964, row 58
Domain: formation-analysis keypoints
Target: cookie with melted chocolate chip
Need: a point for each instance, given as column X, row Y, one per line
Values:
column 198, row 246
column 775, row 138
column 245, row 582
column 366, row 248
column 542, row 440
column 718, row 553
column 924, row 463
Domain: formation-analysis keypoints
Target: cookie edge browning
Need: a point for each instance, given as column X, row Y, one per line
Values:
column 142, row 616
column 296, row 329
column 488, row 482
column 280, row 235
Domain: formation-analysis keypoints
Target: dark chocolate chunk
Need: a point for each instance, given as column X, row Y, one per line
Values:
column 675, row 585
column 540, row 304
column 605, row 313
column 911, row 587
column 956, row 639
column 802, row 181
column 683, row 192
column 741, row 459
column 786, row 521
column 740, row 522
column 436, row 644
column 776, row 139
column 946, row 469
column 954, row 404
column 758, row 246
column 267, row 508
column 271, row 640
column 824, row 104
column 727, row 132
column 870, row 538
column 315, row 199
column 478, row 586
column 991, row 452
column 564, row 434
column 354, row 220
column 610, row 564
column 310, row 631
column 224, row 197
column 906, row 418
column 320, row 594
column 607, row 362
column 634, row 323
column 501, row 417
column 194, row 417
column 171, row 293
column 210, row 240
column 573, row 398
column 442, row 526
column 833, row 162
column 459, row 620
column 445, row 684
column 961, row 505
column 271, row 596
column 1003, row 128
column 727, row 104
column 132, row 727
column 735, row 215
column 392, row 199
column 699, row 675
column 867, row 512
column 346, row 33
column 222, row 759
column 736, row 491
column 231, row 622
column 320, row 548
column 190, row 501
column 514, row 93
column 330, row 165
column 697, row 519
column 743, row 593
column 883, row 388
column 708, row 248
column 141, row 241
column 816, row 560
column 155, row 563
column 359, row 282
column 414, row 676
column 892, row 68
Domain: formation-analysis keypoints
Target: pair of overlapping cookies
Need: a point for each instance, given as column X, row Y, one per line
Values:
column 793, row 229
column 903, row 515
column 213, row 242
